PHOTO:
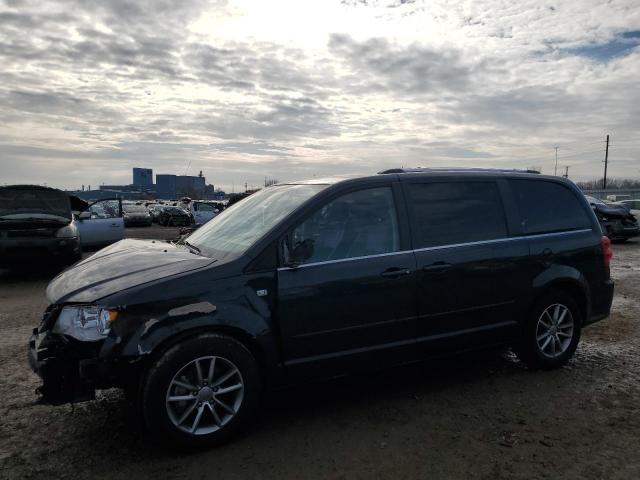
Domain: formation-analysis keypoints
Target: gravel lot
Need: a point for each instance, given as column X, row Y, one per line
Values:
column 479, row 416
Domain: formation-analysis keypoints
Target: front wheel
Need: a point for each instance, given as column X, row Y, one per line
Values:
column 552, row 331
column 202, row 391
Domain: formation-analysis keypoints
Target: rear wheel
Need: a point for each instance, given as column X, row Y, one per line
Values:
column 202, row 391
column 552, row 332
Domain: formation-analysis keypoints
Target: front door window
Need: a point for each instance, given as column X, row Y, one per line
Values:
column 357, row 224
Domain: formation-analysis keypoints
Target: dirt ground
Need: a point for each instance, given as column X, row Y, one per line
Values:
column 481, row 416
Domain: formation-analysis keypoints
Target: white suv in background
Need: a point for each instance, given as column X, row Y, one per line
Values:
column 202, row 212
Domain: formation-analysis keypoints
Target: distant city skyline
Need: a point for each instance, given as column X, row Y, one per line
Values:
column 293, row 89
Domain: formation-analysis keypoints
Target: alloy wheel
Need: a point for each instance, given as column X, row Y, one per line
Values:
column 204, row 395
column 554, row 330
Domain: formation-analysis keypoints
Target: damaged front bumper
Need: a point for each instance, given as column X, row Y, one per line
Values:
column 60, row 370
column 620, row 228
column 70, row 370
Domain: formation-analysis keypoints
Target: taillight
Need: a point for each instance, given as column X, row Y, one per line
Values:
column 607, row 253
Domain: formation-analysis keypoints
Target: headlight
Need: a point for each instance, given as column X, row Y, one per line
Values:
column 70, row 231
column 88, row 323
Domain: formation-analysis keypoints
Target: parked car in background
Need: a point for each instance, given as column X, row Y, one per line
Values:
column 633, row 205
column 154, row 211
column 616, row 220
column 136, row 215
column 321, row 278
column 202, row 212
column 174, row 217
column 101, row 223
column 617, row 198
column 36, row 223
column 41, row 223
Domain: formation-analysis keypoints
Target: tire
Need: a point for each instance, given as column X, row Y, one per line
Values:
column 175, row 374
column 560, row 346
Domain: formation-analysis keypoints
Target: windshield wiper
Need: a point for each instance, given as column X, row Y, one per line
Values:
column 193, row 248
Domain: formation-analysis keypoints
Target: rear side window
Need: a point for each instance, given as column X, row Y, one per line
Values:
column 445, row 213
column 547, row 207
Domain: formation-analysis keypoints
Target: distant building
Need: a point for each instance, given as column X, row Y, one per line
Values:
column 171, row 187
column 143, row 177
column 166, row 186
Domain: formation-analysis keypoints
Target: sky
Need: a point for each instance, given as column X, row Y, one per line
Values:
column 292, row 89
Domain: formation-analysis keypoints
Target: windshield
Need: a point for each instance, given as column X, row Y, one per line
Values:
column 237, row 228
column 34, row 201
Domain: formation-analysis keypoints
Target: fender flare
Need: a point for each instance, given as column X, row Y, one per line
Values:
column 566, row 278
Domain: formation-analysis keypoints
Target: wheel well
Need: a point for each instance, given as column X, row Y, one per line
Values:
column 242, row 337
column 576, row 292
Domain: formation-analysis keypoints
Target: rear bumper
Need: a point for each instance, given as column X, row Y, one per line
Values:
column 601, row 300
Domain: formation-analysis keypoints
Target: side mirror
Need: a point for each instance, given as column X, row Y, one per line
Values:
column 302, row 252
column 84, row 215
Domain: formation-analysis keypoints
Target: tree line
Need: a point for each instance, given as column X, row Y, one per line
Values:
column 612, row 183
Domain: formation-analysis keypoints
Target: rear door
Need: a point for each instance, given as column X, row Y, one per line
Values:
column 469, row 269
column 559, row 231
column 105, row 224
column 350, row 304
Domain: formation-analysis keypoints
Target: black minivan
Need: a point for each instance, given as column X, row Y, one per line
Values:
column 322, row 278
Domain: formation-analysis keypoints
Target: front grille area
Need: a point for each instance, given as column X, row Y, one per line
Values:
column 32, row 233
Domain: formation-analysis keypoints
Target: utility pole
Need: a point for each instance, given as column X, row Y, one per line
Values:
column 566, row 171
column 606, row 162
column 555, row 172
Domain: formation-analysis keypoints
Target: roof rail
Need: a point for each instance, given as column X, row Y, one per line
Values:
column 458, row 169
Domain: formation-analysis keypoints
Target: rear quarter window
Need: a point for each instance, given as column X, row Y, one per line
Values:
column 547, row 207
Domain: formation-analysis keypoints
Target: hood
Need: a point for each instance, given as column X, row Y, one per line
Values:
column 77, row 204
column 120, row 266
column 27, row 201
column 612, row 210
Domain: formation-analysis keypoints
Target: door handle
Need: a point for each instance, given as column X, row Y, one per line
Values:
column 547, row 252
column 114, row 225
column 395, row 272
column 437, row 267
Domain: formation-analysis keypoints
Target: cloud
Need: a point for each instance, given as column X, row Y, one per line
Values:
column 380, row 66
column 89, row 89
